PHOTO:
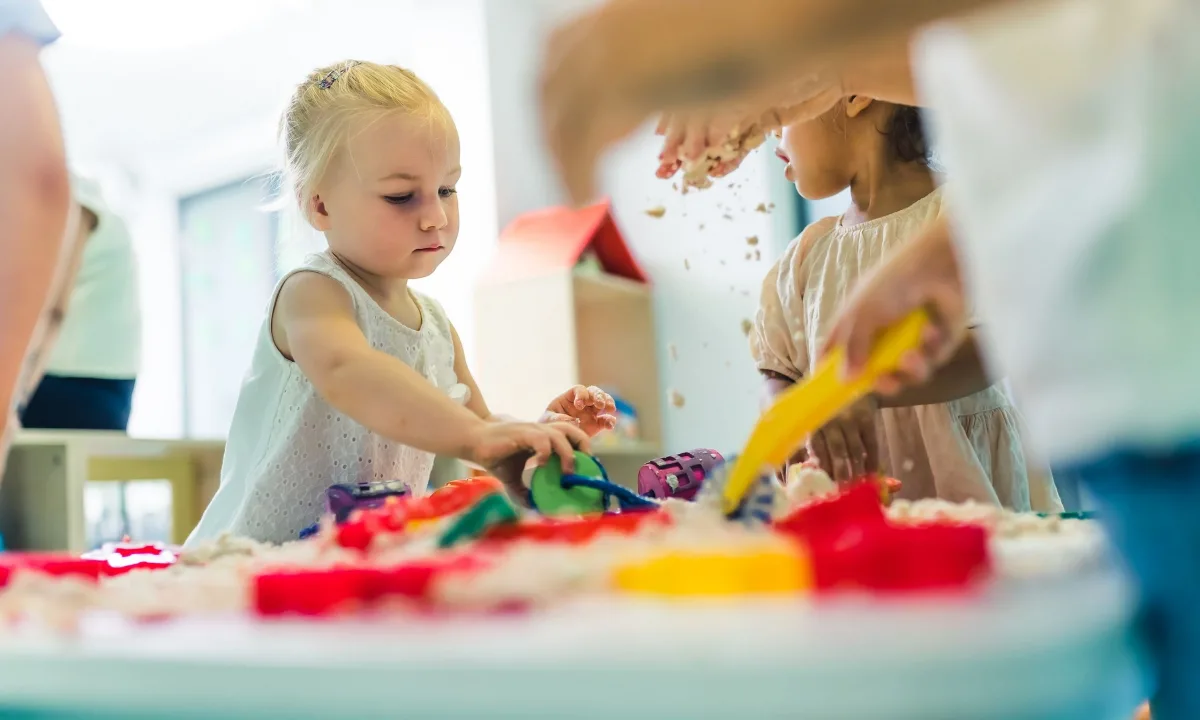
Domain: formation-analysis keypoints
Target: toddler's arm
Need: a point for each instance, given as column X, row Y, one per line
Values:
column 314, row 325
column 34, row 200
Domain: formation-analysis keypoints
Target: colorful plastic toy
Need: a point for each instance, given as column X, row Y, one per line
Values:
column 490, row 511
column 334, row 590
column 853, row 546
column 825, row 520
column 341, row 500
column 405, row 513
column 580, row 530
column 48, row 563
column 678, row 476
column 587, row 490
column 125, row 556
column 808, row 405
column 767, row 570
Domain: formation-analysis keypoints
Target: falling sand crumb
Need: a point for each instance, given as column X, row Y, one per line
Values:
column 747, row 326
column 752, row 240
column 727, row 216
column 677, row 399
column 674, row 351
column 758, row 255
column 701, row 226
column 762, row 208
column 686, row 265
column 657, row 211
column 749, row 255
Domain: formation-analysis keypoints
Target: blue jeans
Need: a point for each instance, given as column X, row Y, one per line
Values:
column 1149, row 503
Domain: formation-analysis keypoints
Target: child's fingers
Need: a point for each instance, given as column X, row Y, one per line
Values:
column 870, row 440
column 556, row 417
column 583, row 397
column 695, row 138
column 577, row 437
column 601, row 400
column 561, row 439
column 608, row 422
column 539, row 443
column 839, row 453
column 819, row 449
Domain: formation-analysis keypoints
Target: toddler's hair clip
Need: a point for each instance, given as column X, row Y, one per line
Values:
column 332, row 76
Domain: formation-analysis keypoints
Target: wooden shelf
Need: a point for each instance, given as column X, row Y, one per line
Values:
column 589, row 329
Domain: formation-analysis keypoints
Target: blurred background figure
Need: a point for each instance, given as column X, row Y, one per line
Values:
column 88, row 360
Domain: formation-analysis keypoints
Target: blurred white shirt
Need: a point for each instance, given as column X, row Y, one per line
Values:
column 1072, row 130
column 101, row 335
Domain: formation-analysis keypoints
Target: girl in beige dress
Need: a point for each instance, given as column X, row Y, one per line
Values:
column 958, row 437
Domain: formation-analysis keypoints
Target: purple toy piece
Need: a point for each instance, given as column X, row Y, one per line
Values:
column 677, row 476
column 341, row 500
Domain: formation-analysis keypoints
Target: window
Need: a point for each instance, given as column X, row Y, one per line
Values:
column 229, row 250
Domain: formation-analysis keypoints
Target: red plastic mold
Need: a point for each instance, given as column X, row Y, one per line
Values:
column 336, row 590
column 853, row 546
column 55, row 564
column 896, row 559
column 819, row 520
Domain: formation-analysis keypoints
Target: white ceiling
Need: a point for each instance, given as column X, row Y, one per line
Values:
column 146, row 99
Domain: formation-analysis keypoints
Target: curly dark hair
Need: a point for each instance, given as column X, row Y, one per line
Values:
column 906, row 135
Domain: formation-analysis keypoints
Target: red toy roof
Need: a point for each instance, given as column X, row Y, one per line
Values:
column 555, row 239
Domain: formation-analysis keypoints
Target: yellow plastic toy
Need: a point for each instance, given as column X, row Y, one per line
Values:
column 761, row 571
column 808, row 405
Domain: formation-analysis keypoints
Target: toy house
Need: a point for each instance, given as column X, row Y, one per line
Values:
column 564, row 302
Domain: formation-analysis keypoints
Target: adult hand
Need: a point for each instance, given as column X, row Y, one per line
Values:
column 687, row 138
column 923, row 273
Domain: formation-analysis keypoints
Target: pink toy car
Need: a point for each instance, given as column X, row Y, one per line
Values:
column 678, row 476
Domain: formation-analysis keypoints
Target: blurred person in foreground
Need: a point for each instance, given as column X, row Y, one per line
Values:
column 1070, row 128
column 34, row 194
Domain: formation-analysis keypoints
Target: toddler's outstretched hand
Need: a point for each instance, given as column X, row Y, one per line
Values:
column 589, row 408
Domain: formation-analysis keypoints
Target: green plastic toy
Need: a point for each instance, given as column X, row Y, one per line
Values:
column 491, row 510
column 1084, row 515
column 550, row 497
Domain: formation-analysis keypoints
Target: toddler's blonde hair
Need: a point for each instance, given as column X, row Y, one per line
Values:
column 315, row 123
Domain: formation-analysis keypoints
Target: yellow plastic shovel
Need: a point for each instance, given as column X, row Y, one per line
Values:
column 808, row 405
